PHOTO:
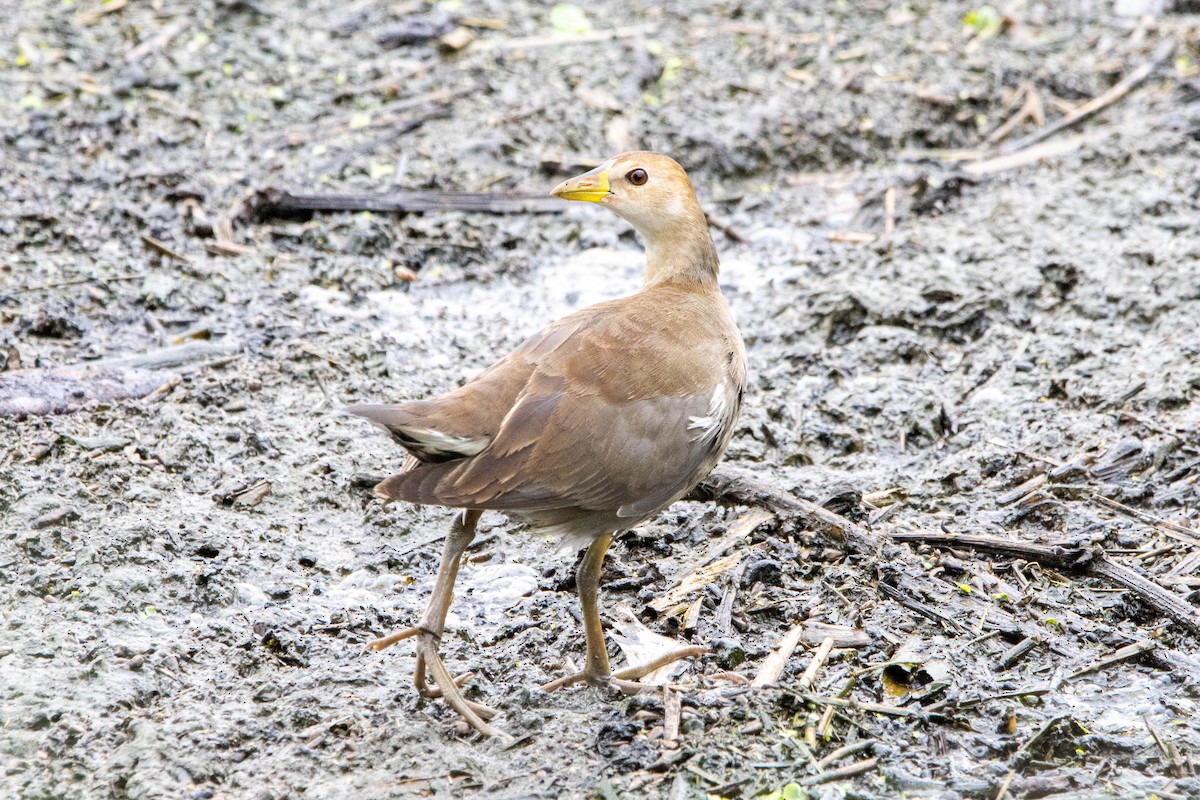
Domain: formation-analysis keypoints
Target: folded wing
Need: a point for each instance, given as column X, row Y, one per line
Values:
column 555, row 426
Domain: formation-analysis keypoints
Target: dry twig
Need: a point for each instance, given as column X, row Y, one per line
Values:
column 1118, row 90
column 818, row 661
column 841, row 773
column 1126, row 652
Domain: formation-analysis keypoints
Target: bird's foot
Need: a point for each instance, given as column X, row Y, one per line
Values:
column 448, row 686
column 448, row 689
column 626, row 679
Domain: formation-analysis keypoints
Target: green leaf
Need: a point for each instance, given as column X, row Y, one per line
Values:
column 671, row 67
column 793, row 792
column 569, row 18
column 981, row 18
column 379, row 170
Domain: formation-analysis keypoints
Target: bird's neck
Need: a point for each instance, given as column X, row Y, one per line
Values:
column 684, row 256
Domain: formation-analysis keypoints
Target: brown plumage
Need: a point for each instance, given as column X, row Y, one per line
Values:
column 600, row 420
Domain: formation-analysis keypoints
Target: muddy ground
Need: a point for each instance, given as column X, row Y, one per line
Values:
column 166, row 634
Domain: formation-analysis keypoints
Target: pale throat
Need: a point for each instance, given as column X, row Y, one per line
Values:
column 684, row 253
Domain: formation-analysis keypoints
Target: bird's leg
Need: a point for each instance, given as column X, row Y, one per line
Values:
column 462, row 532
column 597, row 671
column 428, row 630
column 587, row 581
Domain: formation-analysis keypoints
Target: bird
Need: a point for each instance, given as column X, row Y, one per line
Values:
column 590, row 427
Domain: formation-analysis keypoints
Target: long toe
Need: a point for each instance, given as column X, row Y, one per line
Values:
column 474, row 713
column 434, row 693
column 642, row 670
column 572, row 679
column 627, row 687
column 387, row 641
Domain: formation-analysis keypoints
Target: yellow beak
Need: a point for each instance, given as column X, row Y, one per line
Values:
column 591, row 187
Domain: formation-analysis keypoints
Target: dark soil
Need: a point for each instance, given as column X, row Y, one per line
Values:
column 173, row 629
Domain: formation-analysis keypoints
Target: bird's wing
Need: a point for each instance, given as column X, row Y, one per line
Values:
column 616, row 409
column 461, row 423
column 620, row 416
column 559, row 448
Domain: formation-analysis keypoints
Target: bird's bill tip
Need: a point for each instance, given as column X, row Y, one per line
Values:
column 591, row 187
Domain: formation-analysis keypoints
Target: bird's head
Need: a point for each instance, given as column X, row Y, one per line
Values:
column 649, row 190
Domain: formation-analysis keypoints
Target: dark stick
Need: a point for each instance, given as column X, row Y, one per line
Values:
column 914, row 605
column 1167, row 603
column 1054, row 555
column 1025, row 753
column 1091, row 561
column 729, row 489
column 1015, row 653
column 278, row 203
column 77, row 282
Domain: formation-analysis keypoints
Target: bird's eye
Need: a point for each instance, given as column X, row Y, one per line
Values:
column 637, row 176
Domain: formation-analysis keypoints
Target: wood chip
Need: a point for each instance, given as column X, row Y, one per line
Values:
column 743, row 526
column 843, row 635
column 885, row 497
column 92, row 16
column 818, row 661
column 692, row 617
column 698, row 579
column 773, row 664
column 162, row 248
column 224, row 247
column 456, row 40
column 672, row 712
column 852, row 237
column 695, row 580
